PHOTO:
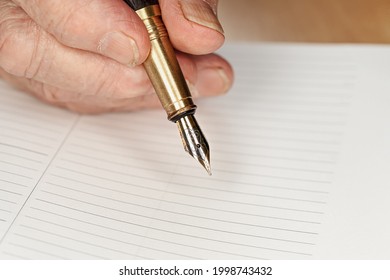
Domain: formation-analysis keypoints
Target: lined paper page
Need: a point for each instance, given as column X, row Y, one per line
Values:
column 30, row 135
column 121, row 185
column 356, row 224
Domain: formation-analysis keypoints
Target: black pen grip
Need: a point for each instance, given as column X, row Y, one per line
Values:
column 139, row 4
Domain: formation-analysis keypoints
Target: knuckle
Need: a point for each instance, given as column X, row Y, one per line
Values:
column 9, row 38
column 37, row 61
column 50, row 94
column 56, row 95
column 46, row 92
column 21, row 43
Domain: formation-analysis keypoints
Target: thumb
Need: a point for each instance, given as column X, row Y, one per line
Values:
column 193, row 25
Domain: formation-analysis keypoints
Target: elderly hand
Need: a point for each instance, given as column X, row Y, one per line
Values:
column 86, row 55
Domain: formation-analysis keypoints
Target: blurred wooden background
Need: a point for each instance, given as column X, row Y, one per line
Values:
column 365, row 21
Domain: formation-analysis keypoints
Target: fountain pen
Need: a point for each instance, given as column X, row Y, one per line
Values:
column 168, row 81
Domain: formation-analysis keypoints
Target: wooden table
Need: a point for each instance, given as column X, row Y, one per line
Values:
column 366, row 21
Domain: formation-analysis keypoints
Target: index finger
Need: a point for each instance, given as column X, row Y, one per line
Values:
column 109, row 28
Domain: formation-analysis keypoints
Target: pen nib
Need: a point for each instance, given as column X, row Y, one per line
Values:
column 194, row 141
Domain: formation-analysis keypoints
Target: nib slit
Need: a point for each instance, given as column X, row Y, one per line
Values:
column 194, row 141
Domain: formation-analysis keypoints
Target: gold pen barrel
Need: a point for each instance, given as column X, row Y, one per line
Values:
column 169, row 83
column 163, row 68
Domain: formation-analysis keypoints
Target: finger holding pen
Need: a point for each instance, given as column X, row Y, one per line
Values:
column 81, row 52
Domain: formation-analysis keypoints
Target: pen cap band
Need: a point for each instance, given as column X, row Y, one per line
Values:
column 163, row 68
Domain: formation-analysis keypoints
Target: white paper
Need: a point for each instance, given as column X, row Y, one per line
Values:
column 299, row 151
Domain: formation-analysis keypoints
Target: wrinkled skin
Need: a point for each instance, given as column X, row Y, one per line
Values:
column 86, row 55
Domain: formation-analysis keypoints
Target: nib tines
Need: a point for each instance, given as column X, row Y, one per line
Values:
column 194, row 141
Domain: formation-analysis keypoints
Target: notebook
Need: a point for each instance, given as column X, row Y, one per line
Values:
column 300, row 153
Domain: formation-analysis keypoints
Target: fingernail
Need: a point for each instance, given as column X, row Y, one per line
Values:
column 120, row 47
column 213, row 81
column 202, row 12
